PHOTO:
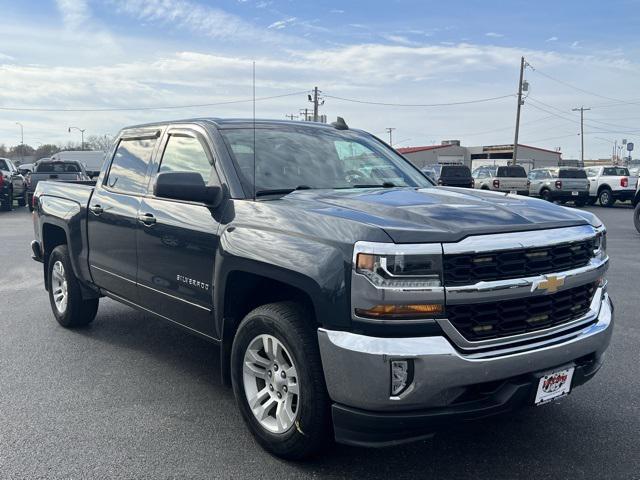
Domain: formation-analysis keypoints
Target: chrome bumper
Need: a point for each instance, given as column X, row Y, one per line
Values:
column 357, row 367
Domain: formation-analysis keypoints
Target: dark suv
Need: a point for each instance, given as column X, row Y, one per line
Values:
column 450, row 175
column 12, row 185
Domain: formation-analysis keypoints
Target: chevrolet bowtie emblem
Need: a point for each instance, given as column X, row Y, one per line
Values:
column 550, row 284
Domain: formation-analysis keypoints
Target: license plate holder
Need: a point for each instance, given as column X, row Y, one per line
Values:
column 575, row 194
column 554, row 385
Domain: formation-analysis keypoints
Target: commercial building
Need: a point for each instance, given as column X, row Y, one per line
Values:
column 451, row 152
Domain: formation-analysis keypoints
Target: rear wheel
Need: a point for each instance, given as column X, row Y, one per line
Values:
column 605, row 197
column 546, row 195
column 278, row 381
column 580, row 203
column 7, row 205
column 636, row 217
column 591, row 200
column 65, row 296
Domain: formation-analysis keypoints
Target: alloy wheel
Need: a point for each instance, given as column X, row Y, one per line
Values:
column 59, row 286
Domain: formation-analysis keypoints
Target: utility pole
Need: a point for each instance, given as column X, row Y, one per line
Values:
column 291, row 116
column 21, row 142
column 520, row 102
column 305, row 113
column 317, row 102
column 581, row 110
column 390, row 131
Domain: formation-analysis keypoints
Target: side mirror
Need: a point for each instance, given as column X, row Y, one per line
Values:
column 186, row 186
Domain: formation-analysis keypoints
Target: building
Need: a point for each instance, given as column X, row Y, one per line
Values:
column 451, row 151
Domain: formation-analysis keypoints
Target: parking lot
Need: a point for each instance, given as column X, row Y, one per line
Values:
column 133, row 397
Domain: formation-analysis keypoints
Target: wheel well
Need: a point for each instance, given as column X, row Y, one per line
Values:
column 246, row 291
column 52, row 236
column 484, row 187
column 603, row 187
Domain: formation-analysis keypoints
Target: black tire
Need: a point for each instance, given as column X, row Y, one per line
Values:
column 545, row 194
column 591, row 201
column 7, row 205
column 288, row 323
column 22, row 201
column 636, row 217
column 605, row 197
column 78, row 311
column 580, row 203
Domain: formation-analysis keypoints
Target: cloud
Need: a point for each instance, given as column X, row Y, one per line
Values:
column 6, row 57
column 196, row 18
column 336, row 10
column 493, row 35
column 280, row 24
column 552, row 39
column 575, row 44
column 75, row 13
column 400, row 39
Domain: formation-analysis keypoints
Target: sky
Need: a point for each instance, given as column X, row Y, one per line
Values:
column 138, row 55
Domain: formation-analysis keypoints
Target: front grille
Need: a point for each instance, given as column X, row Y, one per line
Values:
column 467, row 269
column 481, row 321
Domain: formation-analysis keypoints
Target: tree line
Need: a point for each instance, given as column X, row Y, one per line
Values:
column 92, row 142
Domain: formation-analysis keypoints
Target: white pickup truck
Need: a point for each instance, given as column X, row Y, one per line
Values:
column 610, row 183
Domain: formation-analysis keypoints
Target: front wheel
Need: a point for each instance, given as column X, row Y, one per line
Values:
column 65, row 296
column 605, row 197
column 278, row 380
column 636, row 217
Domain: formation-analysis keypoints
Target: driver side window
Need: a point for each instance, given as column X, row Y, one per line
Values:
column 186, row 154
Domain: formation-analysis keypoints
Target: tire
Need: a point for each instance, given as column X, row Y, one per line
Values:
column 7, row 205
column 605, row 197
column 22, row 201
column 580, row 203
column 545, row 194
column 636, row 217
column 65, row 296
column 591, row 201
column 298, row 434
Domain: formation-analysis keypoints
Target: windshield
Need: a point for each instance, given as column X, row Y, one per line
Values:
column 302, row 157
column 510, row 172
column 58, row 167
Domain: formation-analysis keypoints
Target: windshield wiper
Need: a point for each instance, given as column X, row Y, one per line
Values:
column 281, row 191
column 382, row 185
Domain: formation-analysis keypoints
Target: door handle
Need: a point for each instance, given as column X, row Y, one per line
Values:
column 96, row 209
column 147, row 219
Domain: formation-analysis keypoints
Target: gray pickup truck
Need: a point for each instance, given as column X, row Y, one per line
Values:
column 58, row 170
column 344, row 305
column 563, row 184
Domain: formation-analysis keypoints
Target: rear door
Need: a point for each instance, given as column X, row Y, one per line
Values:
column 177, row 243
column 112, row 218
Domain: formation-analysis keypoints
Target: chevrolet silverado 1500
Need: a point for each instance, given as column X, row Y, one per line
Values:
column 345, row 304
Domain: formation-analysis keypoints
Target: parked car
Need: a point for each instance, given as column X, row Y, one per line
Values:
column 91, row 160
column 372, row 312
column 509, row 179
column 450, row 175
column 12, row 185
column 58, row 170
column 610, row 183
column 564, row 184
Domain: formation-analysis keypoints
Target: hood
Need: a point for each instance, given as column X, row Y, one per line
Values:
column 438, row 214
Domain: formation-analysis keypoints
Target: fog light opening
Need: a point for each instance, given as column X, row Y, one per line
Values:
column 401, row 376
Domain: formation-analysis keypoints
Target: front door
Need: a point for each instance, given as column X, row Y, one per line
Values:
column 112, row 218
column 177, row 242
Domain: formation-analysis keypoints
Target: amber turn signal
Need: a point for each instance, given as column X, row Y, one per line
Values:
column 400, row 311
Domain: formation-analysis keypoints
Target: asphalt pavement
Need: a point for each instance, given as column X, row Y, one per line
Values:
column 134, row 397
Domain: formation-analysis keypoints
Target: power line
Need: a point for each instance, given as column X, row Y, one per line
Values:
column 367, row 102
column 164, row 107
column 588, row 92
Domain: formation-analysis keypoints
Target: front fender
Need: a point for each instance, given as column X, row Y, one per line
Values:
column 318, row 268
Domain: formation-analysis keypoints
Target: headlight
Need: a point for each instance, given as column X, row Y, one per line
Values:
column 600, row 245
column 400, row 271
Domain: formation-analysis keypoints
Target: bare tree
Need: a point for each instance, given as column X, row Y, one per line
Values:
column 98, row 142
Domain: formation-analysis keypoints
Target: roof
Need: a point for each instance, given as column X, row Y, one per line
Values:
column 421, row 149
column 233, row 122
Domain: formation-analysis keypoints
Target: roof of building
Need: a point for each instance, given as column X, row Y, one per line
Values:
column 421, row 149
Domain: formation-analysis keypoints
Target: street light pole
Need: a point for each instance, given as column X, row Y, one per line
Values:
column 21, row 141
column 81, row 130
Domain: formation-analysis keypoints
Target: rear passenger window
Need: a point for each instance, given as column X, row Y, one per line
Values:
column 128, row 172
column 186, row 154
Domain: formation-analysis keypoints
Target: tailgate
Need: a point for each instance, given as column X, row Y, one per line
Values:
column 512, row 183
column 575, row 184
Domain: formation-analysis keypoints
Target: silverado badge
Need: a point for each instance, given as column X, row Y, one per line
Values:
column 551, row 284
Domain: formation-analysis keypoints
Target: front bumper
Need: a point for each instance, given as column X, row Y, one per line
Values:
column 449, row 384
